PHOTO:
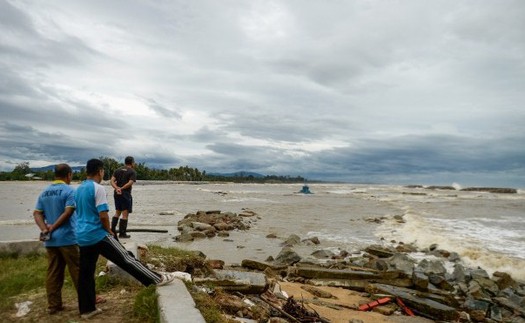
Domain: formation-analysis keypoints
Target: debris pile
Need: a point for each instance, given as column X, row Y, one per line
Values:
column 208, row 224
column 388, row 280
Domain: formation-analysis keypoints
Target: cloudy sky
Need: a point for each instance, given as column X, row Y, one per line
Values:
column 409, row 92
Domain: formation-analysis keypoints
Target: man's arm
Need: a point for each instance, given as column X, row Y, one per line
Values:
column 104, row 219
column 39, row 220
column 114, row 185
column 128, row 184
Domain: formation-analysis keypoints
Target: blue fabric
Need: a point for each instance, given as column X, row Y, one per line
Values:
column 91, row 200
column 52, row 202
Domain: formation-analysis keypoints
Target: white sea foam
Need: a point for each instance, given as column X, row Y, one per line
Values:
column 478, row 244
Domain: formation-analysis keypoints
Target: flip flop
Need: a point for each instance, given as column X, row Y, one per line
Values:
column 100, row 300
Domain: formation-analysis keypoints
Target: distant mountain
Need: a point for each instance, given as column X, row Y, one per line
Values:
column 52, row 168
column 238, row 174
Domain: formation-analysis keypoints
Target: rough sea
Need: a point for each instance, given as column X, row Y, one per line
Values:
column 485, row 229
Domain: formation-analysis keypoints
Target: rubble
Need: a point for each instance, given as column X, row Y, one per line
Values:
column 434, row 285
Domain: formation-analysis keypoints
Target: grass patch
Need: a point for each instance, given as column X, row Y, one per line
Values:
column 210, row 310
column 145, row 306
column 20, row 275
column 22, row 278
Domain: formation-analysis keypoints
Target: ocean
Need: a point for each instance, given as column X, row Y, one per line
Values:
column 485, row 229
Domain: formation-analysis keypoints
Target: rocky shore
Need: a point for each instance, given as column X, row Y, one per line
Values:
column 404, row 281
column 501, row 190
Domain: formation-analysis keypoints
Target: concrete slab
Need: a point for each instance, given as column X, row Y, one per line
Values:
column 176, row 304
column 22, row 247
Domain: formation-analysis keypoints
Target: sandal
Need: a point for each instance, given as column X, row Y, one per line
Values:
column 100, row 300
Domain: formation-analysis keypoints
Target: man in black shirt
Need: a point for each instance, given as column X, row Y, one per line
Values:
column 122, row 181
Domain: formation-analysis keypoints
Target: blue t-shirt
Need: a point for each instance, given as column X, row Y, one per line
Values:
column 52, row 202
column 90, row 199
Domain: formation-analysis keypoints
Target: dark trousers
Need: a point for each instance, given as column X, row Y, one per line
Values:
column 112, row 250
column 57, row 260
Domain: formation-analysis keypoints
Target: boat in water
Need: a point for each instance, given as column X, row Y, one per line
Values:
column 305, row 190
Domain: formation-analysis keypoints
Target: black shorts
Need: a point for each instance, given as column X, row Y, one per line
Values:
column 123, row 202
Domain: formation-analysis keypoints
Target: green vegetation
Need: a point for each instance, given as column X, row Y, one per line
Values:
column 146, row 307
column 20, row 275
column 210, row 310
column 182, row 173
column 23, row 278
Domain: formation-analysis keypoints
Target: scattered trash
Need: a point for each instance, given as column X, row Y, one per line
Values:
column 182, row 275
column 23, row 308
column 404, row 307
column 300, row 313
column 371, row 305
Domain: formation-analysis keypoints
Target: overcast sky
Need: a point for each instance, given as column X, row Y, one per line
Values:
column 409, row 92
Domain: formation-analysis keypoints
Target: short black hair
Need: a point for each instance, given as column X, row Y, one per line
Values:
column 62, row 170
column 129, row 160
column 93, row 166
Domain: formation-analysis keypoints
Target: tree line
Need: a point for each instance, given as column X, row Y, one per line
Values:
column 23, row 172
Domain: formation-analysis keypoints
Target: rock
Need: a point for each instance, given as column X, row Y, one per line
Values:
column 317, row 292
column 271, row 236
column 199, row 226
column 357, row 285
column 505, row 302
column 431, row 267
column 318, row 273
column 459, row 274
column 292, row 240
column 490, row 190
column 241, row 281
column 479, row 273
column 420, row 281
column 198, row 235
column 488, row 285
column 184, row 238
column 379, row 251
column 402, row 262
column 222, row 226
column 261, row 266
column 247, row 213
column 504, row 280
column 452, row 188
column 287, row 257
column 477, row 309
column 215, row 263
column 314, row 240
column 322, row 254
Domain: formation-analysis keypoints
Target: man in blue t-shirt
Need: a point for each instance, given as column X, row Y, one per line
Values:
column 95, row 238
column 54, row 215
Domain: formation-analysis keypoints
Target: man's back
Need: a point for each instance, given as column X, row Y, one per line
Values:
column 52, row 202
column 124, row 175
column 90, row 199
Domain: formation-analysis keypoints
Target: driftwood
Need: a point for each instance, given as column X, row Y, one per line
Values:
column 269, row 302
column 299, row 311
column 145, row 230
